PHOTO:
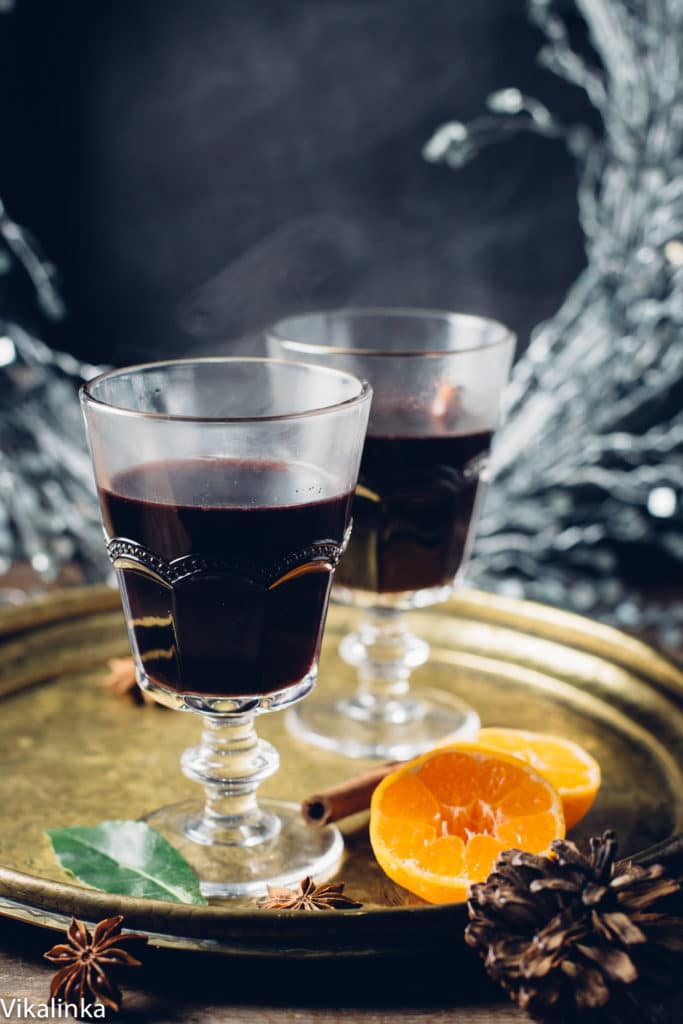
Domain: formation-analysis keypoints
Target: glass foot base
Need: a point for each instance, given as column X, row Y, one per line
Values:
column 405, row 729
column 230, row 870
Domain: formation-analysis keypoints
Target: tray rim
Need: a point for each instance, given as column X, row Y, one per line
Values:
column 50, row 903
column 62, row 604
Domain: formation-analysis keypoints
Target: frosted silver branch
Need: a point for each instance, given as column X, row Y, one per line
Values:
column 41, row 272
column 588, row 468
column 48, row 509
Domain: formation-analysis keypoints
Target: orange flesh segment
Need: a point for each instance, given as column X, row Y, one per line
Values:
column 567, row 766
column 406, row 844
column 525, row 800
column 444, row 856
column 439, row 823
column 452, row 777
column 533, row 833
column 482, row 853
column 409, row 799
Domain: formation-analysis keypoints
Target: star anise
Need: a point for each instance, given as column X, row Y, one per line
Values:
column 88, row 961
column 308, row 896
column 123, row 683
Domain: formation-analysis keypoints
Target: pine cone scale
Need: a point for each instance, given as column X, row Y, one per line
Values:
column 592, row 992
column 623, row 928
column 554, row 885
column 642, row 895
column 616, row 964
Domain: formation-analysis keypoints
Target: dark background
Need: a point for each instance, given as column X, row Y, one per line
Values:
column 198, row 168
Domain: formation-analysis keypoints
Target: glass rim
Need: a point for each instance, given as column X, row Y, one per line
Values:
column 364, row 390
column 504, row 335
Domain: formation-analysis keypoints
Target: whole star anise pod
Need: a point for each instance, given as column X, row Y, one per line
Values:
column 569, row 933
column 88, row 961
column 308, row 896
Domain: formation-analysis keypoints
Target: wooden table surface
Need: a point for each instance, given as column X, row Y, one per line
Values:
column 175, row 988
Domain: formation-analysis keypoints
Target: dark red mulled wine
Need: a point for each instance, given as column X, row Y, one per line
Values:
column 225, row 567
column 414, row 503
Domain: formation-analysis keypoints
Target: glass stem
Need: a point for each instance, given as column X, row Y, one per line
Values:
column 384, row 653
column 230, row 763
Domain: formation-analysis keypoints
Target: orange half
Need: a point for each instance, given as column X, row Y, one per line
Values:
column 567, row 766
column 438, row 823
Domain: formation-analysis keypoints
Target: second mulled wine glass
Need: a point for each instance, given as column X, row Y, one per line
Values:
column 437, row 380
column 225, row 487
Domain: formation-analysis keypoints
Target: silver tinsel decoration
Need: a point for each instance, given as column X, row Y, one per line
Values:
column 589, row 462
column 48, row 510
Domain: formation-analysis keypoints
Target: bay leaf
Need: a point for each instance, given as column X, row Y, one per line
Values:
column 126, row 857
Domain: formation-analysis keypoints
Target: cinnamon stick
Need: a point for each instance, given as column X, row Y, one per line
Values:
column 346, row 798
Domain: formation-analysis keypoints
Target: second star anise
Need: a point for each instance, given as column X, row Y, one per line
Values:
column 87, row 961
column 308, row 896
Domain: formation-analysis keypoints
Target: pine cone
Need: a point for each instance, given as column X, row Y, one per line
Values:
column 567, row 934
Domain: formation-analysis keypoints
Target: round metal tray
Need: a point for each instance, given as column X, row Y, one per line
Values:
column 71, row 753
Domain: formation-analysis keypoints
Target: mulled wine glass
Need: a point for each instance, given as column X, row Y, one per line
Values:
column 225, row 488
column 437, row 380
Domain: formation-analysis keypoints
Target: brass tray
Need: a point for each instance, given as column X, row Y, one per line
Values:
column 71, row 753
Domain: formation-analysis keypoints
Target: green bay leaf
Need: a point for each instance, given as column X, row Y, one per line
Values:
column 126, row 857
